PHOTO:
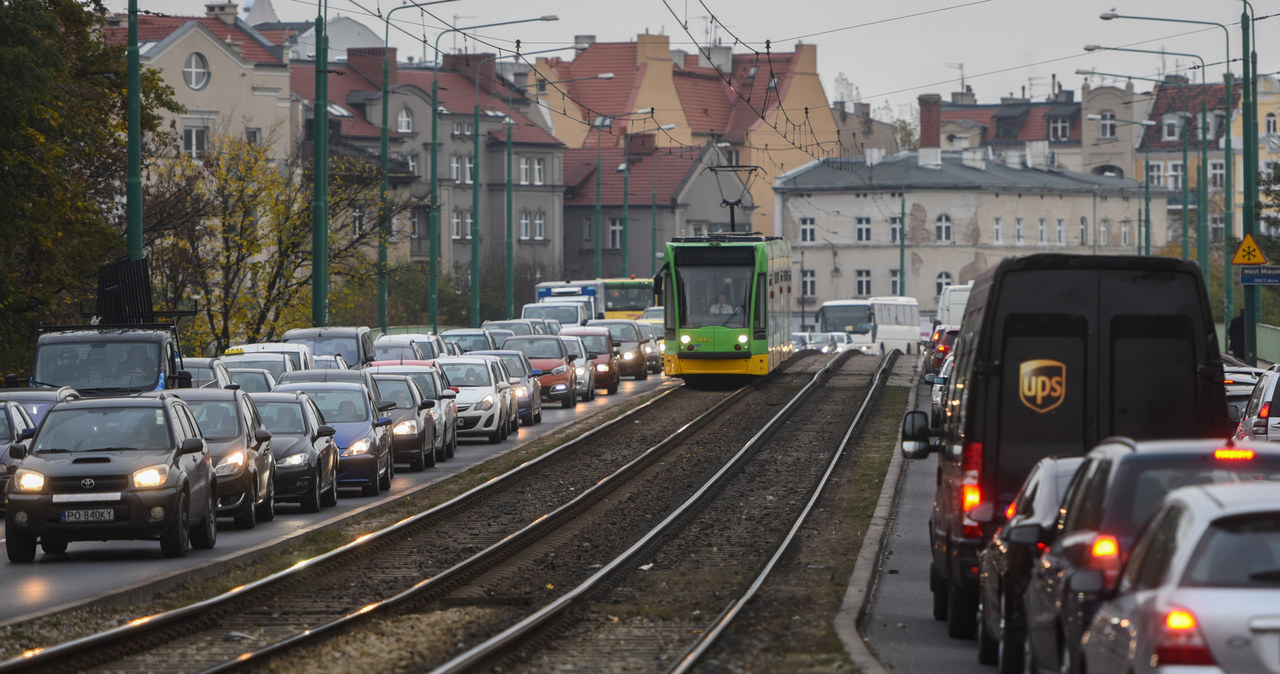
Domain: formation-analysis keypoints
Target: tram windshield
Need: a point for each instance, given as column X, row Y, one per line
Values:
column 714, row 286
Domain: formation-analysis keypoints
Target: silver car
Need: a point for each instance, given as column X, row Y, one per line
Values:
column 1257, row 421
column 938, row 388
column 582, row 367
column 1200, row 589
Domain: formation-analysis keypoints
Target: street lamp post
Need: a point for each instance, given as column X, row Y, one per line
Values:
column 1146, row 172
column 320, row 178
column 1250, row 178
column 433, row 285
column 626, row 192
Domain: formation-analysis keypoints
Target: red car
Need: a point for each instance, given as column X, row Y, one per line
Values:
column 605, row 349
column 548, row 354
column 945, row 342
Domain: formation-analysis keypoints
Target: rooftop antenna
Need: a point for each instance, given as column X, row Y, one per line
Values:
column 960, row 67
column 455, row 33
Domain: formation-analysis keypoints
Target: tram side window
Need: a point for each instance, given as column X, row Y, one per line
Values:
column 759, row 326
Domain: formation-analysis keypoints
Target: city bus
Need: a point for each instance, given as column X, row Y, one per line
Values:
column 875, row 325
column 627, row 297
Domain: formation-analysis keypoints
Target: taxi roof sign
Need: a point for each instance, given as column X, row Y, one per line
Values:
column 1249, row 252
column 233, row 351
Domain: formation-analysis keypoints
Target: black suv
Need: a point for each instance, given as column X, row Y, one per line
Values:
column 109, row 469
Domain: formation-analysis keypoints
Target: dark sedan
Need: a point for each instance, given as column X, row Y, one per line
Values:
column 241, row 451
column 362, row 430
column 37, row 401
column 13, row 421
column 306, row 455
column 413, row 420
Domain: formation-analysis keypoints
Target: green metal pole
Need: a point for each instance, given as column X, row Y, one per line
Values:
column 653, row 212
column 598, row 215
column 626, row 189
column 320, row 178
column 1228, row 205
column 133, row 188
column 1250, row 178
column 433, row 227
column 1146, row 199
column 902, row 245
column 475, row 214
column 511, row 260
column 384, row 220
column 1202, row 178
column 1183, row 185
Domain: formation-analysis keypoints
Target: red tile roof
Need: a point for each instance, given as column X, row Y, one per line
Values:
column 1172, row 98
column 673, row 169
column 615, row 97
column 153, row 28
column 1034, row 124
column 706, row 100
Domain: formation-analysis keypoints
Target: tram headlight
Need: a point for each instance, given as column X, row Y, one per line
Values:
column 685, row 339
column 742, row 339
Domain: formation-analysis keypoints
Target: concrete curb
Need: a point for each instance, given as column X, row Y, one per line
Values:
column 857, row 599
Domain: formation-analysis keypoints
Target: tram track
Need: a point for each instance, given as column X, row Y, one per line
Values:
column 330, row 588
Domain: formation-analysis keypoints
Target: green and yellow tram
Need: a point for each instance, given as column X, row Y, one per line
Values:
column 728, row 305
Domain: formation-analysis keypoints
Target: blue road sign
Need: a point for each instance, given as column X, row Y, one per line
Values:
column 1264, row 275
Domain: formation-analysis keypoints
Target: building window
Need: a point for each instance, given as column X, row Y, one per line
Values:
column 602, row 122
column 195, row 71
column 944, row 280
column 524, row 225
column 1084, row 231
column 1062, row 231
column 540, row 226
column 893, row 282
column 862, row 282
column 588, row 230
column 615, row 233
column 457, row 128
column 1124, row 233
column 193, row 141
column 358, row 221
column 1217, row 173
column 942, row 229
column 455, row 225
column 419, row 226
column 1017, row 231
column 467, row 129
column 467, row 224
column 455, row 168
column 539, row 171
column 808, row 230
column 997, row 231
column 1216, row 228
column 253, row 136
column 1104, row 234
column 1044, row 231
column 731, row 157
column 1175, row 175
column 1059, row 128
column 809, row 282
column 1155, row 172
column 1171, row 126
column 895, row 228
column 413, row 164
column 1271, row 122
column 470, row 167
column 1107, row 124
column 524, row 170
column 863, row 228
column 404, row 121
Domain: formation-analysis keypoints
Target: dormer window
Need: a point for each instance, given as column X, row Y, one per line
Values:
column 1059, row 128
column 1172, row 126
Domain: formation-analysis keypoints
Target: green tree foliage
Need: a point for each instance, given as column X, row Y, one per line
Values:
column 63, row 153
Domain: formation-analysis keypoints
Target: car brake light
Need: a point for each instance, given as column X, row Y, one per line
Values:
column 970, row 489
column 1105, row 557
column 1011, row 511
column 1105, row 546
column 1180, row 642
column 1265, row 412
column 1229, row 454
column 1228, row 381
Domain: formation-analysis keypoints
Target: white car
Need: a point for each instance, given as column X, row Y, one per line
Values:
column 938, row 389
column 300, row 354
column 582, row 367
column 481, row 394
column 1199, row 591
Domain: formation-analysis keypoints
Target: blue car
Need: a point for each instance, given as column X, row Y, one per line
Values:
column 363, row 432
column 529, row 390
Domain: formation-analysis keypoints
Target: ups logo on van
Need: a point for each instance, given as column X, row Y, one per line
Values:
column 1042, row 383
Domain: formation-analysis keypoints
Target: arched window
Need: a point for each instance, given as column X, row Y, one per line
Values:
column 404, row 121
column 1107, row 124
column 944, row 280
column 195, row 71
column 942, row 229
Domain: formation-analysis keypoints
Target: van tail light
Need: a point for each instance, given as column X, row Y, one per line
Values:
column 1179, row 641
column 970, row 489
column 1104, row 555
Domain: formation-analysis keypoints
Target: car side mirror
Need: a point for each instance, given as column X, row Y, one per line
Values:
column 189, row 446
column 1087, row 581
column 26, row 434
column 1025, row 534
column 326, row 431
column 17, row 451
column 983, row 513
column 514, row 380
column 592, row 356
column 181, row 379
column 262, row 435
column 535, row 373
column 426, row 404
column 617, row 351
column 502, row 386
column 915, row 435
column 928, row 378
column 383, row 421
column 571, row 357
column 1233, row 412
column 449, row 394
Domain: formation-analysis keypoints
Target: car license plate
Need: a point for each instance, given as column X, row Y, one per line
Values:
column 95, row 515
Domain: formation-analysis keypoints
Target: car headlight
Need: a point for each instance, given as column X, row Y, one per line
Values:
column 408, row 427
column 360, row 446
column 151, row 476
column 230, row 464
column 560, row 370
column 28, row 480
column 602, row 367
column 522, row 391
column 299, row 459
column 662, row 348
column 629, row 355
column 647, row 349
column 485, row 404
column 582, row 371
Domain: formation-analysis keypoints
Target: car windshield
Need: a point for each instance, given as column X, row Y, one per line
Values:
column 217, row 418
column 328, row 363
column 395, row 391
column 98, row 365
column 596, row 343
column 856, row 319
column 331, row 346
column 282, row 418
column 565, row 314
column 425, row 382
column 623, row 332
column 515, row 327
column 341, row 407
column 201, row 376
column 653, row 314
column 273, row 364
column 470, row 342
column 467, row 374
column 101, row 428
column 1238, row 551
column 538, row 348
column 515, row 364
column 6, row 431
column 250, row 382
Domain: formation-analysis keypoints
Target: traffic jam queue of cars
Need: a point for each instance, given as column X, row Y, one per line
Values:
column 161, row 448
column 1095, row 512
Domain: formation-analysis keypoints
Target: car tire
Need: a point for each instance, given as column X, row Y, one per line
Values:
column 453, row 444
column 204, row 535
column 442, row 453
column 613, row 388
column 384, row 482
column 537, row 415
column 53, row 546
column 247, row 519
column 571, row 401
column 330, row 498
column 429, row 454
column 939, row 588
column 527, row 419
column 20, row 546
column 644, row 373
column 267, row 509
column 311, row 500
column 176, row 542
column 418, row 462
column 988, row 648
column 373, row 488
column 962, row 611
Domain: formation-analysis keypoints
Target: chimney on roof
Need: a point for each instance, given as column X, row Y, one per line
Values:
column 974, row 157
column 367, row 62
column 872, row 155
column 642, row 144
column 965, row 97
column 581, row 42
column 226, row 11
column 721, row 58
column 465, row 64
column 930, row 120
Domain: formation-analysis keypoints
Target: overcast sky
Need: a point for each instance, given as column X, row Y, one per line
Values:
column 890, row 52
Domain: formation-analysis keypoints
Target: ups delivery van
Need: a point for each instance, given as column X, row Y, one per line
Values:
column 1055, row 353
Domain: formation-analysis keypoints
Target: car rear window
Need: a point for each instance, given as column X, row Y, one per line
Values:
column 467, row 374
column 538, row 348
column 622, row 332
column 1238, row 551
column 1141, row 484
column 282, row 418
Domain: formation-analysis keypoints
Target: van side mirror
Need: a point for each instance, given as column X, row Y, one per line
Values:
column 1087, row 581
column 983, row 513
column 26, row 434
column 17, row 451
column 915, row 435
column 189, row 446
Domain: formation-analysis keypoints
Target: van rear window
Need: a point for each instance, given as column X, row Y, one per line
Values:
column 1151, row 354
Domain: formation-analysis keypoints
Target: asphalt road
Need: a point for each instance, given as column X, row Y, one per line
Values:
column 91, row 569
column 899, row 626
